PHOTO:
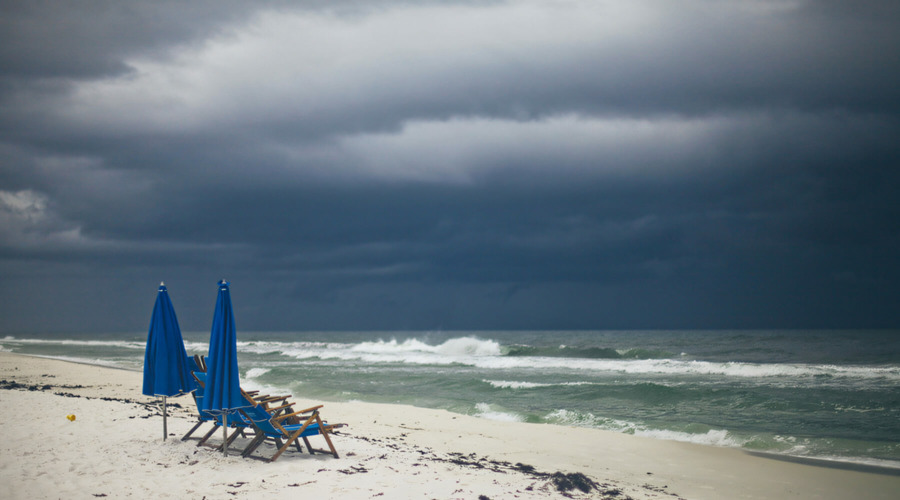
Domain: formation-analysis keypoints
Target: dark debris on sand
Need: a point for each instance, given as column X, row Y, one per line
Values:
column 12, row 385
column 570, row 485
column 152, row 408
column 567, row 484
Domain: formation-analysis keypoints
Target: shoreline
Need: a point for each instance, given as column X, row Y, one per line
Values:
column 861, row 464
column 387, row 450
column 828, row 463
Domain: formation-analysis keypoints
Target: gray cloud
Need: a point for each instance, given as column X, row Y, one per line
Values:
column 451, row 164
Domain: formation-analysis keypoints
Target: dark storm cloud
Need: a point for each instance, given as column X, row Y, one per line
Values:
column 400, row 165
column 88, row 39
column 93, row 38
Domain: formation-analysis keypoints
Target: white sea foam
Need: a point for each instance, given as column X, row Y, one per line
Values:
column 487, row 354
column 87, row 361
column 484, row 410
column 508, row 384
column 689, row 367
column 411, row 351
column 712, row 437
column 453, row 348
column 256, row 372
column 196, row 347
column 124, row 344
column 253, row 385
column 87, row 343
column 875, row 462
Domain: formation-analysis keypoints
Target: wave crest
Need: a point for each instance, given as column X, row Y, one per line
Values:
column 461, row 346
column 564, row 351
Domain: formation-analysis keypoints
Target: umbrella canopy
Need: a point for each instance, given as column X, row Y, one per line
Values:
column 166, row 368
column 223, row 387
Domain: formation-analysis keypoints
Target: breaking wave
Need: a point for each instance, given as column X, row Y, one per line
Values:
column 564, row 351
column 491, row 355
column 713, row 437
column 487, row 411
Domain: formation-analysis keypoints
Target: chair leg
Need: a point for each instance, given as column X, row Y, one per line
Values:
column 258, row 438
column 281, row 449
column 324, row 430
column 292, row 437
column 254, row 444
column 208, row 434
column 194, row 428
column 231, row 439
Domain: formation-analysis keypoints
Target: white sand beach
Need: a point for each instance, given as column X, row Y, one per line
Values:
column 114, row 449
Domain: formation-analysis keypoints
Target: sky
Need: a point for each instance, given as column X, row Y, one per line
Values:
column 450, row 165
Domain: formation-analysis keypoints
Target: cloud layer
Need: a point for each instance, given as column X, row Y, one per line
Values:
column 399, row 165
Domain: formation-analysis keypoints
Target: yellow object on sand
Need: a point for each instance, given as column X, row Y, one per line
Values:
column 71, row 418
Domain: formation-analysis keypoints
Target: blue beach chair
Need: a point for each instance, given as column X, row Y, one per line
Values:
column 235, row 421
column 197, row 366
column 287, row 427
column 269, row 417
column 198, row 370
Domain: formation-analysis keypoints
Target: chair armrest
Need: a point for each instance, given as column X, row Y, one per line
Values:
column 308, row 410
column 269, row 399
column 275, row 410
column 314, row 411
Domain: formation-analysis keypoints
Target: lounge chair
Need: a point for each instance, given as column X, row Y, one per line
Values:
column 269, row 417
column 198, row 366
column 287, row 427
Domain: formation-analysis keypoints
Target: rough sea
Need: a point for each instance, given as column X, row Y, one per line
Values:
column 820, row 394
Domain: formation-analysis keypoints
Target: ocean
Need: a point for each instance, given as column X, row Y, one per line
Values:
column 831, row 395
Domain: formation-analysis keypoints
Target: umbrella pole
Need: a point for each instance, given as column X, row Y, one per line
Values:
column 165, row 430
column 225, row 433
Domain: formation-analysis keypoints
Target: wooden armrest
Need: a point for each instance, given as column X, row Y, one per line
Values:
column 296, row 414
column 314, row 408
column 265, row 398
column 273, row 410
column 269, row 399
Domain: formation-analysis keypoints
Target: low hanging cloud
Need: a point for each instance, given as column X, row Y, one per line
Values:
column 543, row 164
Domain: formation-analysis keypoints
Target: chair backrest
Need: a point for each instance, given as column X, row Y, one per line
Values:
column 197, row 363
column 192, row 364
column 262, row 418
column 200, row 377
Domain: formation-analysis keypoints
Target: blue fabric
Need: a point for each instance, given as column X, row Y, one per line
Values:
column 166, row 368
column 262, row 419
column 192, row 364
column 223, row 387
column 198, row 397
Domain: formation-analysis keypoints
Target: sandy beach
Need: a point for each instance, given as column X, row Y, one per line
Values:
column 114, row 448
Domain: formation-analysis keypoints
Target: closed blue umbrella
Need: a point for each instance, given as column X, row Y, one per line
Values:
column 166, row 368
column 222, row 394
